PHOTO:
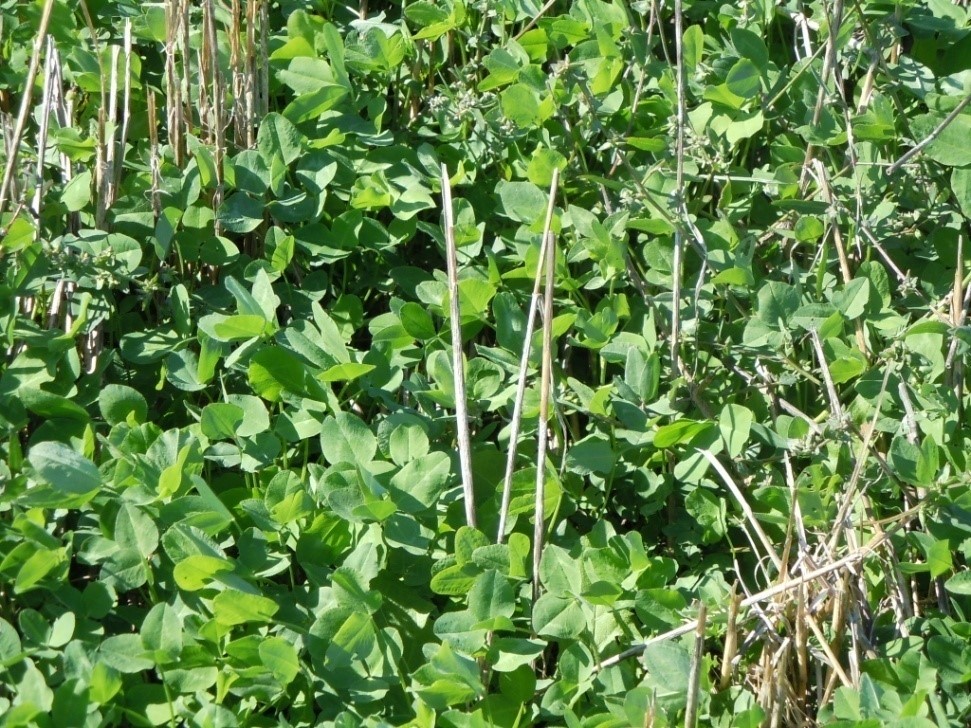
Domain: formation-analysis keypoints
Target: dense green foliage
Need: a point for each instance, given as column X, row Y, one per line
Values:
column 229, row 484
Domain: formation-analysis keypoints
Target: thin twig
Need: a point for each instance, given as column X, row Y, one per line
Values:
column 187, row 76
column 731, row 639
column 909, row 423
column 959, row 312
column 542, row 11
column 694, row 674
column 154, row 162
column 106, row 152
column 517, row 412
column 18, row 131
column 251, row 62
column 100, row 169
column 801, row 646
column 850, row 492
column 935, row 132
column 47, row 101
column 458, row 364
column 772, row 591
column 173, row 99
column 679, row 193
column 746, row 508
column 265, row 58
column 829, row 652
column 546, row 382
column 952, row 350
column 216, row 120
column 834, row 401
column 126, row 101
column 834, row 19
column 844, row 260
column 239, row 85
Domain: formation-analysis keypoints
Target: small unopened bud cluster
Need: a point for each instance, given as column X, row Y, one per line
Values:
column 506, row 127
column 465, row 102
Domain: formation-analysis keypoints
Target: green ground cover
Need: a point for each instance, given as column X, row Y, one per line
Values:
column 650, row 411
